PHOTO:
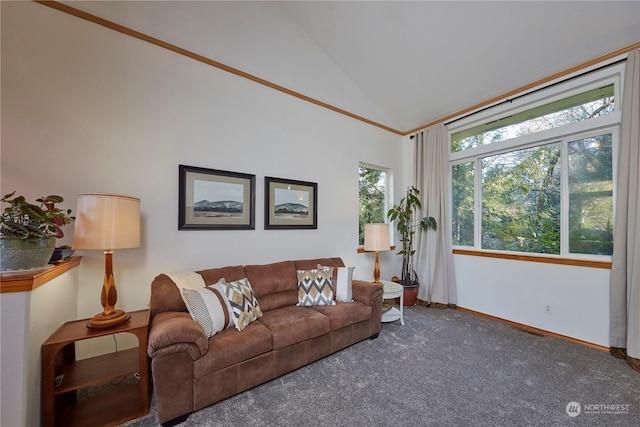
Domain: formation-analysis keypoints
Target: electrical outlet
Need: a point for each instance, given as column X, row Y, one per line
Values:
column 58, row 380
column 547, row 309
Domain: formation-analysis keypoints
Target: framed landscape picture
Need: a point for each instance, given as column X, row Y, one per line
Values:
column 215, row 199
column 290, row 204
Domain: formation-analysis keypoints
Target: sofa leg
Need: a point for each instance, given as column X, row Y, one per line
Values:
column 373, row 337
column 176, row 421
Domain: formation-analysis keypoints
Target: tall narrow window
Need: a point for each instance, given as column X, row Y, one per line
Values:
column 463, row 197
column 591, row 195
column 373, row 187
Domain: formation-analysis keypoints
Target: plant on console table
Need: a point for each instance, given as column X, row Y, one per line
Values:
column 28, row 231
column 407, row 226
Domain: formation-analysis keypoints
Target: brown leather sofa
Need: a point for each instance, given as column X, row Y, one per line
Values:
column 191, row 372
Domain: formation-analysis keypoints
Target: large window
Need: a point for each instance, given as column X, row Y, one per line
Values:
column 373, row 188
column 539, row 178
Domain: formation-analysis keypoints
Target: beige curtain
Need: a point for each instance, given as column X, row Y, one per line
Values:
column 434, row 258
column 624, row 291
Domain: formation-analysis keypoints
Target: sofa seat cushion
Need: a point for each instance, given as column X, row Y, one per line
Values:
column 231, row 346
column 345, row 313
column 291, row 325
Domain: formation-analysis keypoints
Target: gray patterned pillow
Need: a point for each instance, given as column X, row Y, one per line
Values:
column 314, row 287
column 242, row 302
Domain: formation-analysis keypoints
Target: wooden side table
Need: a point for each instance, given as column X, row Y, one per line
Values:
column 60, row 403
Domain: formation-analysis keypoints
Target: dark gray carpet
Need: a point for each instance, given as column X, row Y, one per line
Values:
column 443, row 368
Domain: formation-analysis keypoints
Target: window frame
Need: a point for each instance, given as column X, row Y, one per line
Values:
column 509, row 118
column 609, row 123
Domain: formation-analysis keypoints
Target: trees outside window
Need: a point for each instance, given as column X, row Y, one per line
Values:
column 521, row 200
column 591, row 195
column 463, row 179
column 373, row 185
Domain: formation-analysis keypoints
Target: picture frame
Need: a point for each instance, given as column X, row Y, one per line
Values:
column 212, row 199
column 290, row 204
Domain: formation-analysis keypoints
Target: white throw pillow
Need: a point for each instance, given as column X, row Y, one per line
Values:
column 209, row 308
column 343, row 284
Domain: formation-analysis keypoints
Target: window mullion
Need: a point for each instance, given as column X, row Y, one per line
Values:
column 477, row 229
column 564, row 198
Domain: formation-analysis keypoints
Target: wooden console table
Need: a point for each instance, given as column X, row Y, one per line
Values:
column 60, row 403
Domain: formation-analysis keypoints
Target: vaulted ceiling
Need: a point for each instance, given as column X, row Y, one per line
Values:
column 400, row 64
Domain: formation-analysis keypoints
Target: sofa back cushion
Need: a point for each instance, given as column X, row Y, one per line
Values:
column 275, row 285
column 165, row 295
column 308, row 264
column 229, row 274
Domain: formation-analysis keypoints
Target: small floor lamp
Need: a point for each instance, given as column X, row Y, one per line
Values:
column 376, row 238
column 107, row 222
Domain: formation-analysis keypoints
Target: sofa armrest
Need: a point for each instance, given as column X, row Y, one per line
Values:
column 366, row 292
column 174, row 332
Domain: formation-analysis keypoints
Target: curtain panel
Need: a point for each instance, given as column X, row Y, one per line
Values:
column 434, row 257
column 624, row 286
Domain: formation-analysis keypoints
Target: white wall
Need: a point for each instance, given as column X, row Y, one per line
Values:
column 519, row 291
column 14, row 333
column 27, row 319
column 85, row 109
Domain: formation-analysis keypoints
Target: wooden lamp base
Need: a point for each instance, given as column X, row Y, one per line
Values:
column 376, row 269
column 106, row 321
column 110, row 316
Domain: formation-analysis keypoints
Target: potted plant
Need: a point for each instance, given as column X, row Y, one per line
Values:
column 407, row 226
column 28, row 231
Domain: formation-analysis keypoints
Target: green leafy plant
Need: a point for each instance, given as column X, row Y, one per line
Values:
column 27, row 221
column 403, row 214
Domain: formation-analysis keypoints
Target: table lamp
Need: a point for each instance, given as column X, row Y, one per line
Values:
column 107, row 222
column 376, row 238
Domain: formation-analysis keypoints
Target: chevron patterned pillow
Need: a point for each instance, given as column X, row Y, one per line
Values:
column 314, row 287
column 341, row 281
column 208, row 307
column 242, row 302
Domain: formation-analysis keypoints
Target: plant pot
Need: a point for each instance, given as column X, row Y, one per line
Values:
column 20, row 254
column 410, row 294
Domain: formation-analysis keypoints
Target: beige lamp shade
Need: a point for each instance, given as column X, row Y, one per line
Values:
column 376, row 237
column 107, row 222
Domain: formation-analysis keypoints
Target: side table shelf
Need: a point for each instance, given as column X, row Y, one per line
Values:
column 61, row 405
